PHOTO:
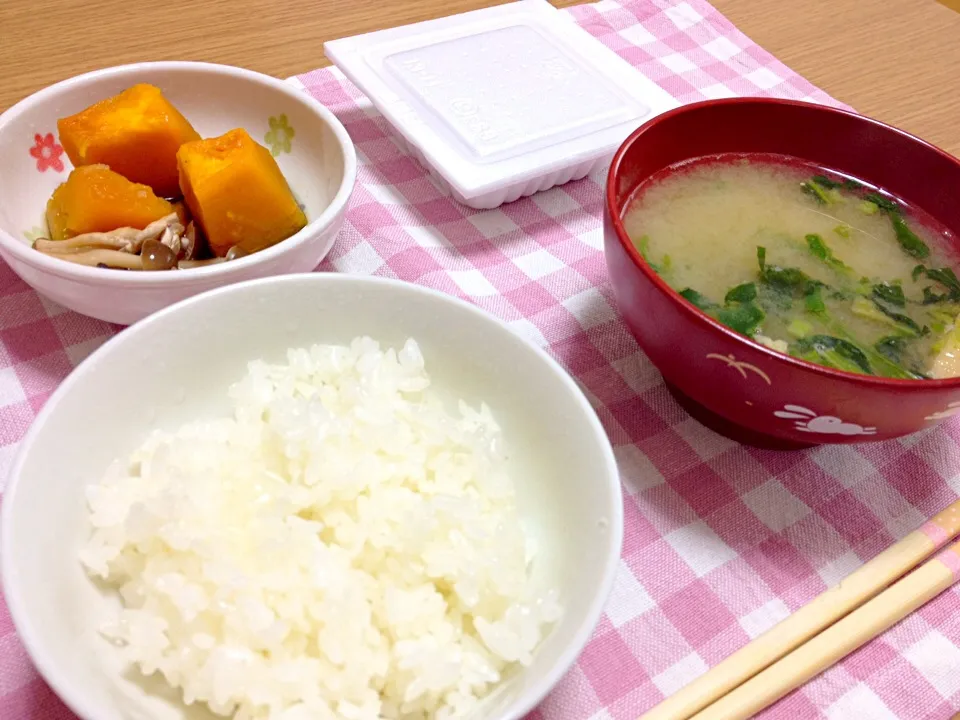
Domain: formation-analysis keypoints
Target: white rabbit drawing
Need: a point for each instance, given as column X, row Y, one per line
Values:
column 809, row 421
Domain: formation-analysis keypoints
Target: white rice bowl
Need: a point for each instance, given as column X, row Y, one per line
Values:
column 345, row 545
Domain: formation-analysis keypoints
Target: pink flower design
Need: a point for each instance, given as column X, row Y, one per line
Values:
column 47, row 152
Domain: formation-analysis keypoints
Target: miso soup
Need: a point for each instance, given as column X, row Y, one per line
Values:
column 805, row 261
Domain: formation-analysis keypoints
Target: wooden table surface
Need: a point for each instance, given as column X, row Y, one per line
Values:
column 896, row 60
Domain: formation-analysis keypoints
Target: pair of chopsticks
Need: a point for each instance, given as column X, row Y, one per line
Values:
column 827, row 629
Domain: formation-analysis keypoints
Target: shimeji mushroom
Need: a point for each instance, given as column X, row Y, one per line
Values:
column 232, row 254
column 189, row 242
column 156, row 247
column 154, row 255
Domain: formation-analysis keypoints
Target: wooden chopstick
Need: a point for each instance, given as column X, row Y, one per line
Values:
column 843, row 637
column 819, row 613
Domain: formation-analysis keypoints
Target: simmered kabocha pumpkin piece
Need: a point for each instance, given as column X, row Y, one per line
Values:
column 137, row 133
column 96, row 199
column 237, row 194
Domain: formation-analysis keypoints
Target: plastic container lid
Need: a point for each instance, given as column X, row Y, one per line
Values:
column 501, row 102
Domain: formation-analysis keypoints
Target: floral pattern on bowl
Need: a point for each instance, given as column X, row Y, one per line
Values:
column 47, row 152
column 280, row 136
column 36, row 232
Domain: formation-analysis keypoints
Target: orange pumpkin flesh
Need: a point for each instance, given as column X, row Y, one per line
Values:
column 237, row 193
column 137, row 133
column 96, row 199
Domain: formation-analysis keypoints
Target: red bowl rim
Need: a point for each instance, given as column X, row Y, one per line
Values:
column 695, row 313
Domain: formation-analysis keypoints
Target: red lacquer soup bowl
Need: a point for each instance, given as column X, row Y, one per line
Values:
column 725, row 380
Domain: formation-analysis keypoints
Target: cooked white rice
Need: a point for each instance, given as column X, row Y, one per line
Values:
column 342, row 547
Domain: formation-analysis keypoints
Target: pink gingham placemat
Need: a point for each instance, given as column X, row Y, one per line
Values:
column 722, row 541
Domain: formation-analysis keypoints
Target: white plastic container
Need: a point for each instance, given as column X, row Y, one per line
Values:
column 501, row 102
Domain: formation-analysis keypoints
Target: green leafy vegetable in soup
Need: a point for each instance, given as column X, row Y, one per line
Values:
column 834, row 271
column 833, row 352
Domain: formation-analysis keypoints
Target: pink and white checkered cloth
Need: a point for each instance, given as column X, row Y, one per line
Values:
column 722, row 541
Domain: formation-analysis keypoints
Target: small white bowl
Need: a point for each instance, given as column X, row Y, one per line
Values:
column 321, row 168
column 177, row 364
